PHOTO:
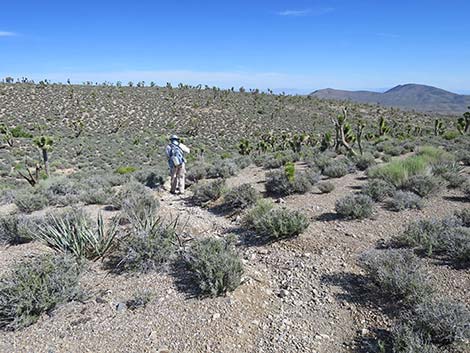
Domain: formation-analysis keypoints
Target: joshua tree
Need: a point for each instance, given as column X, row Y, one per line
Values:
column 359, row 130
column 8, row 136
column 438, row 127
column 344, row 135
column 463, row 123
column 244, row 147
column 383, row 127
column 44, row 143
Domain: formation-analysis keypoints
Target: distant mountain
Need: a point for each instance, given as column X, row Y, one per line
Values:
column 409, row 96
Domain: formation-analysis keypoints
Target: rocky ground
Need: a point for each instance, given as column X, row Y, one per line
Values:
column 300, row 295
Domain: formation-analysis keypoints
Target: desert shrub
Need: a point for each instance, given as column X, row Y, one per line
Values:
column 147, row 249
column 322, row 161
column 30, row 200
column 215, row 266
column 407, row 340
column 150, row 178
column 422, row 234
column 397, row 172
column 355, row 206
column 242, row 161
column 125, row 170
column 326, row 187
column 197, row 172
column 454, row 179
column 378, row 189
column 241, row 197
column 288, row 181
column 441, row 321
column 336, row 170
column 465, row 187
column 72, row 232
column 464, row 157
column 364, row 161
column 464, row 216
column 422, row 185
column 455, row 244
column 451, row 135
column 16, row 229
column 133, row 192
column 206, row 192
column 222, row 168
column 36, row 287
column 254, row 214
column 281, row 223
column 61, row 191
column 403, row 200
column 397, row 273
column 137, row 207
column 99, row 196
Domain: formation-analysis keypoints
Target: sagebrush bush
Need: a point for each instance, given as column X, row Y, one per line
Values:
column 336, row 169
column 36, row 287
column 135, row 193
column 465, row 187
column 423, row 185
column 72, row 232
column 282, row 183
column 364, row 161
column 281, row 223
column 241, row 197
column 454, row 179
column 403, row 200
column 355, row 206
column 378, row 189
column 138, row 208
column 145, row 250
column 222, row 168
column 398, row 273
column 464, row 216
column 215, row 265
column 197, row 172
column 258, row 211
column 206, row 192
column 422, row 234
column 30, row 200
column 441, row 321
column 16, row 229
column 326, row 187
column 60, row 191
column 406, row 340
column 152, row 179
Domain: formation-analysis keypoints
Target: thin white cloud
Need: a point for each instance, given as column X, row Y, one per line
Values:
column 306, row 12
column 7, row 34
column 294, row 12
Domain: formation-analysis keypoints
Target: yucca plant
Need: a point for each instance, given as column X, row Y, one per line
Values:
column 73, row 233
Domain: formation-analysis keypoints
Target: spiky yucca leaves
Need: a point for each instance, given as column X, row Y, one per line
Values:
column 73, row 232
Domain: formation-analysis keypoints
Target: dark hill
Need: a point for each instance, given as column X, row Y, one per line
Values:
column 409, row 96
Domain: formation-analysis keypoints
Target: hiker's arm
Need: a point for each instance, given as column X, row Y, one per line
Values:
column 184, row 148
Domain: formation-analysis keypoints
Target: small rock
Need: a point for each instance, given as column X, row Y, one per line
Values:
column 215, row 316
column 280, row 200
column 283, row 293
column 121, row 307
column 364, row 332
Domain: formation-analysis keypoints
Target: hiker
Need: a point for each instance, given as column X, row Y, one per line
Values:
column 175, row 153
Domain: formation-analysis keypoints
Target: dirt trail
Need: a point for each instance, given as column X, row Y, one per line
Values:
column 298, row 295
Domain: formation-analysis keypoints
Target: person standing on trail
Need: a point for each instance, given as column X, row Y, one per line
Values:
column 175, row 152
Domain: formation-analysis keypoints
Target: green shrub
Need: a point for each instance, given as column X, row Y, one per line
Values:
column 378, row 189
column 403, row 200
column 16, row 229
column 326, row 187
column 241, row 197
column 206, row 192
column 30, row 200
column 397, row 273
column 422, row 234
column 215, row 266
column 72, row 232
column 137, row 207
column 148, row 249
column 18, row 132
column 451, row 135
column 364, row 161
column 454, row 179
column 442, row 321
column 261, row 208
column 150, row 178
column 134, row 193
column 336, row 170
column 197, row 172
column 423, row 185
column 222, row 168
column 355, row 206
column 36, row 287
column 406, row 340
column 281, row 223
column 281, row 183
column 61, row 191
column 125, row 170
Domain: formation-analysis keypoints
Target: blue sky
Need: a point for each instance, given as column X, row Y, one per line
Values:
column 292, row 45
